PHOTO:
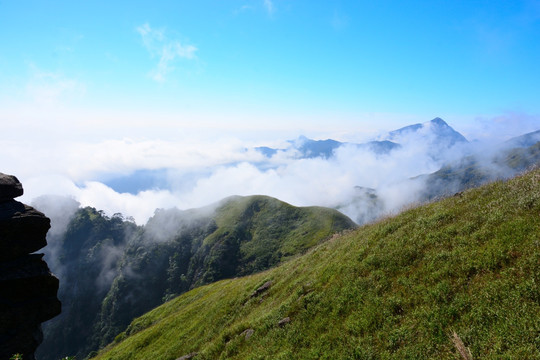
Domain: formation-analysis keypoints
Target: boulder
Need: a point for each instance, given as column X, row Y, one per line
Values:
column 10, row 187
column 28, row 290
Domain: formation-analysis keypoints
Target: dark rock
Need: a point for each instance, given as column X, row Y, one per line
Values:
column 28, row 290
column 10, row 187
column 25, row 278
column 28, row 298
column 188, row 356
column 262, row 288
column 23, row 230
column 284, row 321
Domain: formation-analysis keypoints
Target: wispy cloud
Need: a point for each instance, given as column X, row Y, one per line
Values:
column 269, row 5
column 242, row 9
column 168, row 51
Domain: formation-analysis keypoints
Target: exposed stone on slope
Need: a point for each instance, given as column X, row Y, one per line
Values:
column 284, row 321
column 264, row 287
column 247, row 333
column 28, row 289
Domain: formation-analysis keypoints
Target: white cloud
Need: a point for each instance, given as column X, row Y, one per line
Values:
column 140, row 206
column 168, row 51
column 202, row 171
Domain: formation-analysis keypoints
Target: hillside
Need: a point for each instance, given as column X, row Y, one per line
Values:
column 472, row 171
column 112, row 270
column 396, row 289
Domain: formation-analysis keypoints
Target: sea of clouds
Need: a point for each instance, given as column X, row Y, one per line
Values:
column 193, row 171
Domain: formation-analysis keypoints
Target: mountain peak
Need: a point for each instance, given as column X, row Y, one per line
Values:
column 442, row 133
column 439, row 121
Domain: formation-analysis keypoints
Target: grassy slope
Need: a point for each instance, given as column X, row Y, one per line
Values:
column 392, row 290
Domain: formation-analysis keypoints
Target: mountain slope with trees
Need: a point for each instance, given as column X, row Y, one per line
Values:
column 472, row 171
column 112, row 270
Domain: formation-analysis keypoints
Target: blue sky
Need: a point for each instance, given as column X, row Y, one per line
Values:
column 273, row 63
column 95, row 89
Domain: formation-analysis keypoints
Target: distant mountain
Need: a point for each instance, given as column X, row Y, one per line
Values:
column 267, row 151
column 325, row 148
column 469, row 171
column 436, row 135
column 306, row 148
column 525, row 140
column 112, row 270
column 437, row 131
column 379, row 147
column 474, row 170
column 316, row 148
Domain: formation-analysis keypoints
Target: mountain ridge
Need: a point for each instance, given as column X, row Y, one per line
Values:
column 437, row 128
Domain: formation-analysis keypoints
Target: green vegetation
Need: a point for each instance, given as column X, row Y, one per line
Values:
column 459, row 276
column 83, row 274
column 114, row 271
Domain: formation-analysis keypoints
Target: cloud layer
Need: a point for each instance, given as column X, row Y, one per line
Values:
column 136, row 176
column 197, row 174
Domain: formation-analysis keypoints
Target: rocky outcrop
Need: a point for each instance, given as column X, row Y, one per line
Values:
column 28, row 289
column 263, row 288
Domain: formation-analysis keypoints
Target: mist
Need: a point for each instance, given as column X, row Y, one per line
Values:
column 60, row 209
column 135, row 178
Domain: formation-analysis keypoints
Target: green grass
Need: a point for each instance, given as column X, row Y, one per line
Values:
column 396, row 289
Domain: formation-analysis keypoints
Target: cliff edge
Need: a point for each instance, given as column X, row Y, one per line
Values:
column 28, row 289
